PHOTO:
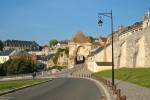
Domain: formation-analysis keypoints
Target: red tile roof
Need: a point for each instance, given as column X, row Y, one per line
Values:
column 104, row 39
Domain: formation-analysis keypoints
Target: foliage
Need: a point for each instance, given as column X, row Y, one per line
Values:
column 67, row 51
column 58, row 53
column 52, row 43
column 19, row 66
column 16, row 84
column 2, row 70
column 5, row 67
column 140, row 76
column 27, row 50
column 1, row 45
column 92, row 39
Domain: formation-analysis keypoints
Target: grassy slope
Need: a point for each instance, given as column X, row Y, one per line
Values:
column 140, row 76
column 15, row 84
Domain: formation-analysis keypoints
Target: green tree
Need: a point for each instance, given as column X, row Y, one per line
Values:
column 12, row 68
column 67, row 51
column 1, row 45
column 59, row 52
column 19, row 66
column 53, row 42
column 2, row 70
column 91, row 38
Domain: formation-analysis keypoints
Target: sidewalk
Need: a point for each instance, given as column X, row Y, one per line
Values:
column 131, row 91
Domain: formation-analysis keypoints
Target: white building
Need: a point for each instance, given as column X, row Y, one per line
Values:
column 5, row 55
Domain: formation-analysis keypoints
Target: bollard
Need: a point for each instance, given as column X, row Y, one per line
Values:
column 108, row 83
column 111, row 86
column 100, row 79
column 123, row 98
column 104, row 81
column 114, row 88
column 118, row 94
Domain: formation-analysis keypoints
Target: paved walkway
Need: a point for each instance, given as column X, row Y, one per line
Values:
column 82, row 71
column 131, row 91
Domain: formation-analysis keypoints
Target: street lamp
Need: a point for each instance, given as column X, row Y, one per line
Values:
column 100, row 22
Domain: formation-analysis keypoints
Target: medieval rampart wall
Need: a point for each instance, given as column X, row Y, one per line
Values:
column 133, row 51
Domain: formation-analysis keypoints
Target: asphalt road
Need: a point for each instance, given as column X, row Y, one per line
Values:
column 58, row 89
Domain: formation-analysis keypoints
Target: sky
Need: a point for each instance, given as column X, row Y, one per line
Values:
column 44, row 20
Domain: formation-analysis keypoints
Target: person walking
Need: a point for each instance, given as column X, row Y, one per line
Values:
column 33, row 75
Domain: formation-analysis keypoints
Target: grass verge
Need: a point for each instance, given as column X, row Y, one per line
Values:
column 9, row 85
column 139, row 76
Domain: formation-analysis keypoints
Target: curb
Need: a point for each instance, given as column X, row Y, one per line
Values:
column 20, row 88
column 103, row 89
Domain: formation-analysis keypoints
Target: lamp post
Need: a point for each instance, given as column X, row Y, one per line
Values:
column 100, row 22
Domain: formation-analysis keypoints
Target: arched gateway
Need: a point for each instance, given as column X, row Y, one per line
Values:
column 79, row 56
column 79, row 48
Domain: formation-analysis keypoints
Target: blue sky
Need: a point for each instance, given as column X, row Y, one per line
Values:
column 43, row 20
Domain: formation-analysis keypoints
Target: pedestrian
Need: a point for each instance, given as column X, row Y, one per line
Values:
column 33, row 75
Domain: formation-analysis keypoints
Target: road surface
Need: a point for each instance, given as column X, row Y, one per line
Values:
column 58, row 89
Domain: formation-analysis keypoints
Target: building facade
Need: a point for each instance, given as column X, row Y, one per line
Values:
column 21, row 45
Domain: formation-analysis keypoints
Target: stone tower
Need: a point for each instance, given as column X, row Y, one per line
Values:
column 79, row 48
column 146, row 21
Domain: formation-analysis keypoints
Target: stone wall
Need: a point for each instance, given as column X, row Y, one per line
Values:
column 133, row 51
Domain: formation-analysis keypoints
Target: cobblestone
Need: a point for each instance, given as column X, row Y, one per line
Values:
column 132, row 91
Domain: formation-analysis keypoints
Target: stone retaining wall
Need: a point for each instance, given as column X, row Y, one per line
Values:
column 133, row 51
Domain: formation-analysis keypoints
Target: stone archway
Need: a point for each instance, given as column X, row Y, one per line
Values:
column 80, row 58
